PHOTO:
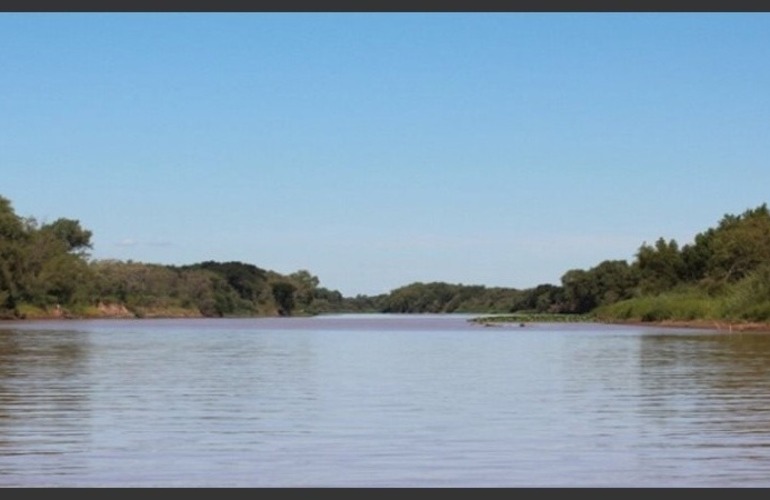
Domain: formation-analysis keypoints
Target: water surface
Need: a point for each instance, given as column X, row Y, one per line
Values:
column 380, row 401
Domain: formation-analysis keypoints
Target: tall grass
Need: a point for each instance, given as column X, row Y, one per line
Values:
column 685, row 304
column 746, row 300
column 749, row 299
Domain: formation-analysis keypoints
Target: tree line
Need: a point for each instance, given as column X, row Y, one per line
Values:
column 45, row 269
column 723, row 274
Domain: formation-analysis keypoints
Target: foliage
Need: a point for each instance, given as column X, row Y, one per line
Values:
column 69, row 232
column 723, row 274
column 283, row 292
column 740, row 245
column 440, row 297
column 685, row 304
column 41, row 265
column 608, row 282
column 660, row 267
column 522, row 318
column 749, row 299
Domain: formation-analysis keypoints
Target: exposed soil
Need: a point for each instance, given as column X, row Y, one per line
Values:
column 114, row 311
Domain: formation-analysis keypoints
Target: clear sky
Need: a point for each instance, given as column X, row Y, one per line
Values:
column 380, row 149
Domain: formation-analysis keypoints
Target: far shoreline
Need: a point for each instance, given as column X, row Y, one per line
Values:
column 704, row 324
column 692, row 324
column 482, row 319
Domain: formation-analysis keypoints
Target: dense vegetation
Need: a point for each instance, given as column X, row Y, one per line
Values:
column 724, row 274
column 45, row 271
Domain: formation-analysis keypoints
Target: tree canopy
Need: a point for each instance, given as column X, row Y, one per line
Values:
column 46, row 267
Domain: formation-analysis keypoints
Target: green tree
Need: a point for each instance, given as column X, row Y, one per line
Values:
column 249, row 281
column 696, row 256
column 283, row 292
column 579, row 294
column 606, row 283
column 739, row 245
column 306, row 285
column 13, row 242
column 71, row 233
column 661, row 267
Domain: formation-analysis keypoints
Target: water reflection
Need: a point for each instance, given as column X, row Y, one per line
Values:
column 368, row 401
column 44, row 404
column 722, row 379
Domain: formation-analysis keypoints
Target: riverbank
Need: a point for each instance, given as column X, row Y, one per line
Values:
column 102, row 310
column 703, row 324
column 119, row 311
column 700, row 324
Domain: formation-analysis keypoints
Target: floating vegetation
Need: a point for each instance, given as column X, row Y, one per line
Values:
column 523, row 318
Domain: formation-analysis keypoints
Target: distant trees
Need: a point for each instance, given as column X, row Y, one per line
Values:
column 725, row 271
column 153, row 289
column 46, row 267
column 70, row 233
column 249, row 283
column 283, row 292
column 41, row 264
column 211, row 289
column 311, row 298
column 544, row 298
column 731, row 260
column 608, row 282
column 738, row 246
column 441, row 297
column 660, row 267
column 13, row 238
column 717, row 257
column 722, row 274
column 54, row 267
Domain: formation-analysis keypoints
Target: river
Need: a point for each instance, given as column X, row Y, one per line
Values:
column 380, row 401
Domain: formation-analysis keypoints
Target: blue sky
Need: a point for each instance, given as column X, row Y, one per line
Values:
column 380, row 149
